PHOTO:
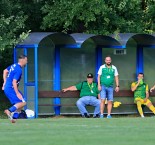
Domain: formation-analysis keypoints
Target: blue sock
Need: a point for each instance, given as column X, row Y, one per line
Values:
column 12, row 109
column 15, row 115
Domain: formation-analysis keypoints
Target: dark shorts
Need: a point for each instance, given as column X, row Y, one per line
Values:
column 11, row 95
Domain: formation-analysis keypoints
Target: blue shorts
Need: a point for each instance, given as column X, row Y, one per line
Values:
column 11, row 95
column 107, row 92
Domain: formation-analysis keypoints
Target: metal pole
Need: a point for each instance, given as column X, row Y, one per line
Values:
column 56, row 79
column 139, row 66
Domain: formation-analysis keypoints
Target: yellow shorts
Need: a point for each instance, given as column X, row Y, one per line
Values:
column 142, row 101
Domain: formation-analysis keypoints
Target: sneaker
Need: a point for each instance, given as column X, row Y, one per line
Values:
column 86, row 115
column 142, row 116
column 8, row 113
column 109, row 116
column 96, row 116
column 101, row 116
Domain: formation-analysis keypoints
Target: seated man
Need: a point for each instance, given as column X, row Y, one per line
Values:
column 88, row 96
column 141, row 94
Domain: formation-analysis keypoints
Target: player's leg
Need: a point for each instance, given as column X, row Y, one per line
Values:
column 149, row 104
column 96, row 103
column 17, row 103
column 18, row 111
column 110, row 100
column 139, row 108
column 103, row 98
column 81, row 103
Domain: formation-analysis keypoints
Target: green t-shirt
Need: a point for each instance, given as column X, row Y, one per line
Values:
column 87, row 89
column 140, row 92
column 107, row 75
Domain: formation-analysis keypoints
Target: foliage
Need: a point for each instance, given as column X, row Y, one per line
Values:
column 12, row 24
column 9, row 29
column 99, row 17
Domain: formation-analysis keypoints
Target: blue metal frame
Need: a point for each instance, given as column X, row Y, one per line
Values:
column 56, row 79
column 15, row 55
column 36, row 79
column 139, row 66
column 25, row 78
column 26, row 83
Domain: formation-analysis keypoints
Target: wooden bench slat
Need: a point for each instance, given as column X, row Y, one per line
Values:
column 76, row 94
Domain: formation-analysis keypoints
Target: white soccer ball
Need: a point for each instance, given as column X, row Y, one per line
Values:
column 29, row 113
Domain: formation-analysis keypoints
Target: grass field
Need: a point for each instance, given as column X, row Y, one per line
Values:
column 79, row 131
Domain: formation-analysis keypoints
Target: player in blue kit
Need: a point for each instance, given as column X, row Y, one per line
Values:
column 11, row 78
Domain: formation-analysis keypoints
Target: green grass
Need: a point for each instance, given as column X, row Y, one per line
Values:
column 79, row 131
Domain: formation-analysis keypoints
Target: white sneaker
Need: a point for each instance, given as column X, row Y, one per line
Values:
column 142, row 116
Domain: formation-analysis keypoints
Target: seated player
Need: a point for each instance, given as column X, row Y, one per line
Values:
column 141, row 94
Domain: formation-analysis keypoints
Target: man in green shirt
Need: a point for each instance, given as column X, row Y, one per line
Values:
column 141, row 94
column 89, row 95
column 106, row 75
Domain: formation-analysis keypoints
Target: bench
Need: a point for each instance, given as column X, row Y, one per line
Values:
column 119, row 96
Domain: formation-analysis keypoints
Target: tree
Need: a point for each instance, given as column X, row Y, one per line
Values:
column 11, row 24
column 97, row 16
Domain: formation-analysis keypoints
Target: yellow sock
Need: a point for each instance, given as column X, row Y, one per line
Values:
column 152, row 108
column 139, row 108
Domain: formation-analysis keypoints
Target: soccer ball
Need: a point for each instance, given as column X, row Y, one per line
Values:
column 30, row 113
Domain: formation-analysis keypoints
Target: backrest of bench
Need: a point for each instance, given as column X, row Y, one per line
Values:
column 52, row 94
column 76, row 94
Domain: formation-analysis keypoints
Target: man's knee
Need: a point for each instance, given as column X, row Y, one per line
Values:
column 24, row 103
column 78, row 103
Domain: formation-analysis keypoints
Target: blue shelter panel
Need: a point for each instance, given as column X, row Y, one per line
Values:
column 139, row 68
column 56, row 79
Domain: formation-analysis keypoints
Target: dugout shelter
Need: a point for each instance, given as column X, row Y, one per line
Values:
column 58, row 60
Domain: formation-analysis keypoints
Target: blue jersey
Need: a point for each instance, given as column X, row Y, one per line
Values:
column 15, row 72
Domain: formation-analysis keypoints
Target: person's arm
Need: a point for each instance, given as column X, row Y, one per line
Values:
column 99, row 96
column 72, row 88
column 99, row 82
column 152, row 88
column 15, row 87
column 117, row 83
column 5, row 73
column 134, row 87
column 147, row 93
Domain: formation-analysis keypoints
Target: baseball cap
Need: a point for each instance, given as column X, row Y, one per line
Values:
column 90, row 75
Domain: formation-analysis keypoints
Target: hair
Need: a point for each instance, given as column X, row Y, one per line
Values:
column 22, row 56
column 141, row 74
column 107, row 56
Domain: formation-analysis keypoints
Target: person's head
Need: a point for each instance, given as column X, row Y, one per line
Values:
column 22, row 60
column 140, row 76
column 108, row 60
column 90, row 78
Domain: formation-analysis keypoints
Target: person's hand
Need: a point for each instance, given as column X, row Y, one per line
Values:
column 139, row 80
column 117, row 89
column 3, row 86
column 19, row 96
column 64, row 90
column 151, row 89
column 99, row 87
column 145, row 100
